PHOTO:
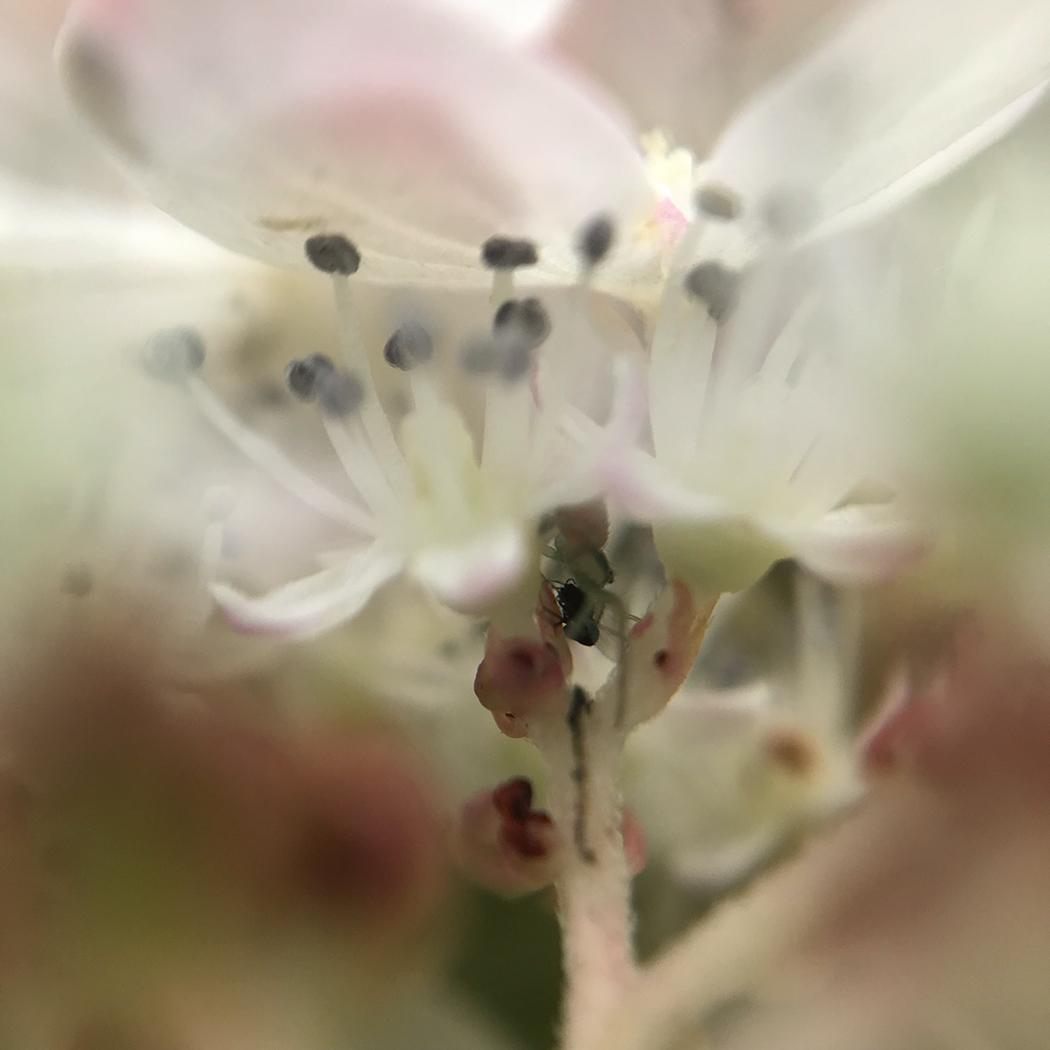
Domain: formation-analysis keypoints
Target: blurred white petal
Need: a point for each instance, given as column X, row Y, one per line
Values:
column 398, row 123
column 470, row 576
column 903, row 96
column 757, row 745
column 315, row 604
column 854, row 544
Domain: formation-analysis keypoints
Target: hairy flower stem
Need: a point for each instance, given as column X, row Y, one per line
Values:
column 582, row 754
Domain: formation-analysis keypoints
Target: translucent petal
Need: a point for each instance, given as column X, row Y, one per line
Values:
column 683, row 65
column 904, row 95
column 599, row 452
column 401, row 124
column 854, row 544
column 470, row 576
column 641, row 488
column 39, row 137
column 314, row 604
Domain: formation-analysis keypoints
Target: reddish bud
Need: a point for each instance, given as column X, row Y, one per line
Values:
column 981, row 726
column 505, row 844
column 518, row 678
column 661, row 650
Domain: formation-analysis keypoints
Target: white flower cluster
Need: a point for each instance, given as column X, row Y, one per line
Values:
column 619, row 304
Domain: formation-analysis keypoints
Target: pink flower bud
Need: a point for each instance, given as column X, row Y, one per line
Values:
column 518, row 678
column 662, row 647
column 505, row 844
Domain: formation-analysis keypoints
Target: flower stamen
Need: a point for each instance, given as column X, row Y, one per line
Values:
column 503, row 255
column 716, row 286
column 177, row 355
column 595, row 240
column 719, row 203
column 409, row 346
column 335, row 255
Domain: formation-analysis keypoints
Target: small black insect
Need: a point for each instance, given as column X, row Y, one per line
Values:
column 579, row 613
column 583, row 594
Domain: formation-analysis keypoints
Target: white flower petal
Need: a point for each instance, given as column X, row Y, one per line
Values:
column 908, row 92
column 641, row 488
column 469, row 577
column 47, row 231
column 398, row 123
column 314, row 604
column 853, row 544
column 599, row 451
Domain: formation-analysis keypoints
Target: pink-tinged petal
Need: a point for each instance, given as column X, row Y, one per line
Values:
column 520, row 678
column 469, row 577
column 684, row 65
column 854, row 544
column 314, row 604
column 661, row 649
column 639, row 487
column 401, row 124
column 635, row 847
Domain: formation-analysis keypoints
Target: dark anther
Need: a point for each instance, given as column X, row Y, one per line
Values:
column 340, row 393
column 332, row 253
column 718, row 202
column 479, row 355
column 716, row 286
column 504, row 314
column 526, row 320
column 409, row 346
column 174, row 354
column 595, row 239
column 303, row 376
column 508, row 253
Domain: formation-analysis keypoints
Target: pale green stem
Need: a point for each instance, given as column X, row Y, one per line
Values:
column 582, row 754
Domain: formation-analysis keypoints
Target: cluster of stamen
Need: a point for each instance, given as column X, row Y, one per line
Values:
column 316, row 378
column 519, row 329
